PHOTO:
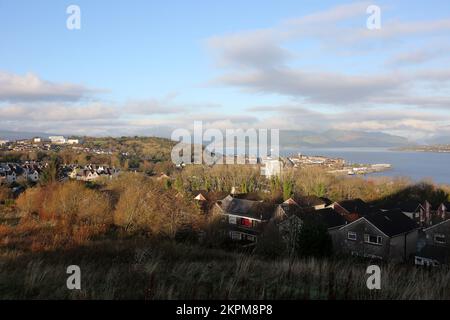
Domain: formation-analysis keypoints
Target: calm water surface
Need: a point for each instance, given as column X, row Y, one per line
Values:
column 415, row 165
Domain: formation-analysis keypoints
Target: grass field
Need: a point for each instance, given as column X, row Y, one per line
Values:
column 145, row 269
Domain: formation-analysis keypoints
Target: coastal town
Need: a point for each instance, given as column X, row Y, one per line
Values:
column 25, row 170
column 437, row 148
column 412, row 231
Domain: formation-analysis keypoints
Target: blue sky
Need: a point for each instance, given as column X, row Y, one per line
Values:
column 147, row 67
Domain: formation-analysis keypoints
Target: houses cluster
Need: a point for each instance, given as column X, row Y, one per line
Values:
column 93, row 150
column 59, row 140
column 31, row 171
column 13, row 172
column 52, row 143
column 304, row 160
column 407, row 232
column 38, row 143
column 92, row 172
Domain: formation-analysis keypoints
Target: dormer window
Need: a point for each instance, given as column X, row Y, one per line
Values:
column 351, row 236
column 439, row 238
column 371, row 239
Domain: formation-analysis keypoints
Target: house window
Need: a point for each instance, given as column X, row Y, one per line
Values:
column 232, row 220
column 371, row 239
column 351, row 236
column 246, row 222
column 251, row 238
column 235, row 235
column 439, row 238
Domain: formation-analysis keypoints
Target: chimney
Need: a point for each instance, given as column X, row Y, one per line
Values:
column 427, row 212
column 443, row 212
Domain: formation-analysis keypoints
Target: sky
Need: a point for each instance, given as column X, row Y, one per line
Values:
column 149, row 67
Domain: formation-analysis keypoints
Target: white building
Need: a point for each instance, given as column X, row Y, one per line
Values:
column 73, row 141
column 11, row 177
column 37, row 140
column 57, row 139
column 32, row 175
column 272, row 167
column 2, row 142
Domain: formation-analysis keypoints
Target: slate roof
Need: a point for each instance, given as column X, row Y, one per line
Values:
column 356, row 206
column 392, row 222
column 446, row 204
column 311, row 201
column 330, row 217
column 292, row 209
column 246, row 208
column 405, row 206
column 441, row 254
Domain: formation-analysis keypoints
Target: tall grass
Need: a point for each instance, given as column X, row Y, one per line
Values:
column 165, row 270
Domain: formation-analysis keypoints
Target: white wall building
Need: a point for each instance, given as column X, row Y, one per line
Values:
column 272, row 167
column 73, row 141
column 57, row 139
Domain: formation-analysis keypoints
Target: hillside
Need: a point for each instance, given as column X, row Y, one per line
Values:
column 339, row 139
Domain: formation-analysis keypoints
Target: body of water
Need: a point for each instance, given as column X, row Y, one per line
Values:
column 414, row 165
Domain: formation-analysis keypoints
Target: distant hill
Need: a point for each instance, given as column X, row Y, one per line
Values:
column 339, row 139
column 17, row 135
column 441, row 139
column 296, row 138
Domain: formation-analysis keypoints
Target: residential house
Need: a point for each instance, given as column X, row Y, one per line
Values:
column 73, row 141
column 413, row 209
column 57, row 139
column 289, row 217
column 89, row 175
column 434, row 249
column 423, row 213
column 11, row 176
column 32, row 174
column 443, row 210
column 333, row 220
column 272, row 167
column 312, row 202
column 352, row 210
column 388, row 235
column 90, row 172
column 74, row 173
column 245, row 218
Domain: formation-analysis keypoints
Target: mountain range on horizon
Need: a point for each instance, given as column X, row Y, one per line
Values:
column 292, row 139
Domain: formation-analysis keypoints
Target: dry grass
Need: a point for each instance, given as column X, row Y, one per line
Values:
column 146, row 269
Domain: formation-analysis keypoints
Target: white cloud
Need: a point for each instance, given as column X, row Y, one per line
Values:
column 258, row 61
column 29, row 87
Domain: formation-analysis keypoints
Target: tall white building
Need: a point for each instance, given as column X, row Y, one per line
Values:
column 73, row 141
column 57, row 139
column 272, row 167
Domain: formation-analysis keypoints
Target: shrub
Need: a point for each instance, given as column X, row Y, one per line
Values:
column 145, row 205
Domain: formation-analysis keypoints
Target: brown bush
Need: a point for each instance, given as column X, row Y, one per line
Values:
column 146, row 205
column 71, row 202
column 5, row 193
